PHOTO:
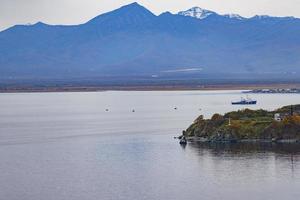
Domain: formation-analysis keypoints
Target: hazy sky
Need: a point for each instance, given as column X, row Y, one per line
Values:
column 78, row 11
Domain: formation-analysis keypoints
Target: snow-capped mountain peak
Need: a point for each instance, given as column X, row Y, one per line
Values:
column 197, row 13
column 200, row 13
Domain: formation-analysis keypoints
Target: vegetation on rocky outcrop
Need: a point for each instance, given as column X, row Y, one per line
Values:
column 249, row 124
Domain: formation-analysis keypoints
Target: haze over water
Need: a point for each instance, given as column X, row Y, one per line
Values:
column 61, row 146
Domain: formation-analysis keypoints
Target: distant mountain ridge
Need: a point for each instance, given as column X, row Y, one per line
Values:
column 132, row 41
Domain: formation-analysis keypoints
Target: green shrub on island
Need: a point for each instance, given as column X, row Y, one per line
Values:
column 280, row 125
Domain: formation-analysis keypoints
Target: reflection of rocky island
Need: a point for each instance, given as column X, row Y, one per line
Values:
column 281, row 125
column 272, row 91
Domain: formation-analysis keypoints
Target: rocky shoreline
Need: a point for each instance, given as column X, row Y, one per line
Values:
column 208, row 140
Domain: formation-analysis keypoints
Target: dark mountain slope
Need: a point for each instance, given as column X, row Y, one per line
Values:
column 133, row 41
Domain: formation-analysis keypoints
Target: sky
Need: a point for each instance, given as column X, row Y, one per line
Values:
column 14, row 12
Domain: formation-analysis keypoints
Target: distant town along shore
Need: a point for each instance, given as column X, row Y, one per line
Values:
column 280, row 126
column 277, row 90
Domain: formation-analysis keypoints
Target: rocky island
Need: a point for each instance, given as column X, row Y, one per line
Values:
column 281, row 126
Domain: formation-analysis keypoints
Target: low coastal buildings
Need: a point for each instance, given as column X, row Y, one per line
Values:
column 276, row 90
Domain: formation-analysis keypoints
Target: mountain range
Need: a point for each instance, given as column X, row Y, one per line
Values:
column 132, row 41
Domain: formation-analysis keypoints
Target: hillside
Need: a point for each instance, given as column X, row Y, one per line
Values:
column 132, row 41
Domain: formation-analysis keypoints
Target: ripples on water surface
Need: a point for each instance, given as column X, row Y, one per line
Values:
column 65, row 146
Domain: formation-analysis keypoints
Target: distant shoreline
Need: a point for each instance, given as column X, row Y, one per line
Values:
column 34, row 89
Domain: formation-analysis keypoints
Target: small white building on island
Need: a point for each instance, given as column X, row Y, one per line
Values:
column 277, row 117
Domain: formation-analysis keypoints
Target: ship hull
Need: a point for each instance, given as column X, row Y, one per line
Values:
column 244, row 103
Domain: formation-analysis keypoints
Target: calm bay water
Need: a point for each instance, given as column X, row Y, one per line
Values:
column 61, row 146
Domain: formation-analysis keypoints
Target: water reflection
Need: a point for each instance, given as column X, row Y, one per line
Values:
column 278, row 156
column 238, row 149
column 183, row 146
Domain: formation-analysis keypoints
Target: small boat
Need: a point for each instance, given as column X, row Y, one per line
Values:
column 244, row 101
